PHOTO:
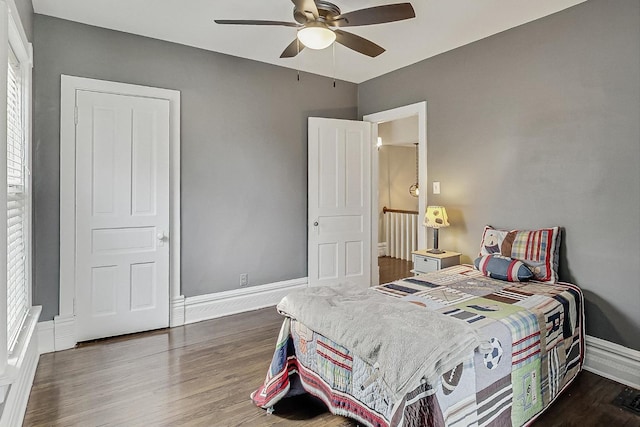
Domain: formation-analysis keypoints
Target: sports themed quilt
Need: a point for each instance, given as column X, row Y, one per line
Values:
column 535, row 331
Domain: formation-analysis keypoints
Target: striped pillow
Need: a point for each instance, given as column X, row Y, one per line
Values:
column 538, row 249
column 503, row 268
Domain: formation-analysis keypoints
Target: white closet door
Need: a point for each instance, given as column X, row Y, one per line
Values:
column 122, row 214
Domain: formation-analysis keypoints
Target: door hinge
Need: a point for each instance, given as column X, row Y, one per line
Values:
column 74, row 306
column 75, row 115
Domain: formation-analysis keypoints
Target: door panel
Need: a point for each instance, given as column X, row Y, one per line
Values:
column 104, row 295
column 354, row 180
column 353, row 258
column 143, row 292
column 122, row 214
column 144, row 162
column 327, row 261
column 121, row 240
column 339, row 202
column 104, row 143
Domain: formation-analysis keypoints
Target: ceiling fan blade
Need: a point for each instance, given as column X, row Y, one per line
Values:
column 358, row 43
column 304, row 8
column 293, row 49
column 250, row 22
column 374, row 15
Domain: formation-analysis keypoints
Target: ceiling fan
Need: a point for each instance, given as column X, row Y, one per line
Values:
column 319, row 22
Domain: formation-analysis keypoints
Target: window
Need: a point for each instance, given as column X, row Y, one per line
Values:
column 18, row 318
column 17, row 290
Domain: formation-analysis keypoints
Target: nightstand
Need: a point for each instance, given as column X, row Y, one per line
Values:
column 424, row 262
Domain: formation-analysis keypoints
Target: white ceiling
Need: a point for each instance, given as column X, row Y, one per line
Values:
column 439, row 26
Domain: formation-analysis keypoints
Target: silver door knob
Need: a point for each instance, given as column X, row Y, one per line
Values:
column 315, row 224
column 161, row 238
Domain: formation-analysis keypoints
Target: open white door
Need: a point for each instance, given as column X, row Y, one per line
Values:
column 122, row 214
column 340, row 202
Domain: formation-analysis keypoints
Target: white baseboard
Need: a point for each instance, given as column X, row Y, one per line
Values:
column 382, row 249
column 22, row 370
column 46, row 337
column 212, row 306
column 612, row 361
column 59, row 334
column 176, row 318
column 64, row 328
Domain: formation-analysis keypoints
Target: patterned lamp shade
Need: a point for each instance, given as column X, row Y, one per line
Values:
column 436, row 217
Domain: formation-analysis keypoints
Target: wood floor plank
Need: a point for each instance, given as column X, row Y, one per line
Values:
column 393, row 269
column 202, row 375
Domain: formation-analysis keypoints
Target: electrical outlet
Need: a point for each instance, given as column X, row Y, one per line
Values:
column 244, row 280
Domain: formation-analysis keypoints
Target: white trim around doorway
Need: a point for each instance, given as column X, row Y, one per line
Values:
column 64, row 322
column 418, row 109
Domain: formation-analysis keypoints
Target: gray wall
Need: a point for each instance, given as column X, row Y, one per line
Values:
column 244, row 151
column 25, row 10
column 539, row 126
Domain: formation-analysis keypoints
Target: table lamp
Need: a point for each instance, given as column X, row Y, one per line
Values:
column 436, row 218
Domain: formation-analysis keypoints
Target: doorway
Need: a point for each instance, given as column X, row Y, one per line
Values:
column 398, row 192
column 403, row 137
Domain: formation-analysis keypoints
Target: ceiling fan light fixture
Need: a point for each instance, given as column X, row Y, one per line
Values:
column 316, row 35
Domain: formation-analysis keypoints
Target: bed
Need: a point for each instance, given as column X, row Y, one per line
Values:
column 448, row 348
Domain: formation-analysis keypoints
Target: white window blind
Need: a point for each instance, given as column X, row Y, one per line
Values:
column 17, row 292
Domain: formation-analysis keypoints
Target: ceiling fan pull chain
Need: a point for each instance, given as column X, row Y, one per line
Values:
column 333, row 50
column 298, row 57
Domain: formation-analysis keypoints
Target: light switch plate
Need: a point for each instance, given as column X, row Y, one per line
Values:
column 436, row 187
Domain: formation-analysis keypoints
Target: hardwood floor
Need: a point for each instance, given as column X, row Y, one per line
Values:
column 393, row 269
column 195, row 375
column 202, row 374
column 587, row 402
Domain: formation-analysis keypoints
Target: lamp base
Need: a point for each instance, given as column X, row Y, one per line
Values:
column 435, row 251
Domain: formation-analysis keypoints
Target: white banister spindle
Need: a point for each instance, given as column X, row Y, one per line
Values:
column 387, row 232
column 394, row 236
column 403, row 235
column 414, row 234
column 401, row 231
